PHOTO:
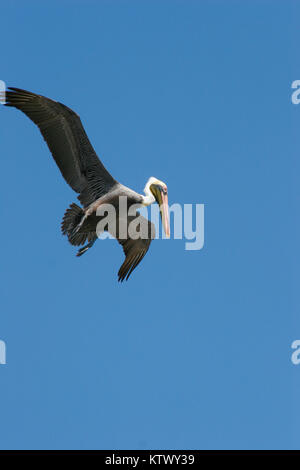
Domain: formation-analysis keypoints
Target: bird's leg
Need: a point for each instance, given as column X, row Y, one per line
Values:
column 85, row 248
column 87, row 213
column 89, row 210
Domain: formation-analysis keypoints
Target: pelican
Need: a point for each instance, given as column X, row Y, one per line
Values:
column 81, row 168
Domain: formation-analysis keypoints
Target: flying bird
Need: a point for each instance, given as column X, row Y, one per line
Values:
column 81, row 168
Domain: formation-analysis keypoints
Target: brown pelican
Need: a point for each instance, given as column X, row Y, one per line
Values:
column 83, row 171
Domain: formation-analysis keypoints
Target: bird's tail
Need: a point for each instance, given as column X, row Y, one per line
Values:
column 70, row 222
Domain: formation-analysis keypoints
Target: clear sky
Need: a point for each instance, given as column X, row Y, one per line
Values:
column 194, row 352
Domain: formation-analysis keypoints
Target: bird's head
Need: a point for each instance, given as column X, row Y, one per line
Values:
column 159, row 191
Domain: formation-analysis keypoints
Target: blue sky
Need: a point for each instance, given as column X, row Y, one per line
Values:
column 194, row 351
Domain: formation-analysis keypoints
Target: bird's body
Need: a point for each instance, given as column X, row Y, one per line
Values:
column 83, row 171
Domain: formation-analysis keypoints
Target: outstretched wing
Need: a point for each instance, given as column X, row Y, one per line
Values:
column 66, row 138
column 135, row 249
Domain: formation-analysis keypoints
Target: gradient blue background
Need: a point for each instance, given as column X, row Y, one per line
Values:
column 194, row 351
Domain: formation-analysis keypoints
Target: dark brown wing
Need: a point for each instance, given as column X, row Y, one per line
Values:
column 66, row 138
column 135, row 250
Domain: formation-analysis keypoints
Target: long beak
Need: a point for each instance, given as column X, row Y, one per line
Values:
column 164, row 212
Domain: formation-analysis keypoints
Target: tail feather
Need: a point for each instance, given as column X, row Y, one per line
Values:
column 71, row 219
column 71, row 226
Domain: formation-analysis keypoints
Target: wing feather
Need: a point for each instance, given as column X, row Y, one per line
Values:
column 135, row 249
column 68, row 142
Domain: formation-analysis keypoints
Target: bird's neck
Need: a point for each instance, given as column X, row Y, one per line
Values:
column 148, row 198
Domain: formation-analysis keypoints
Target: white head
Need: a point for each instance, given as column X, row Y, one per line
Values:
column 153, row 180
